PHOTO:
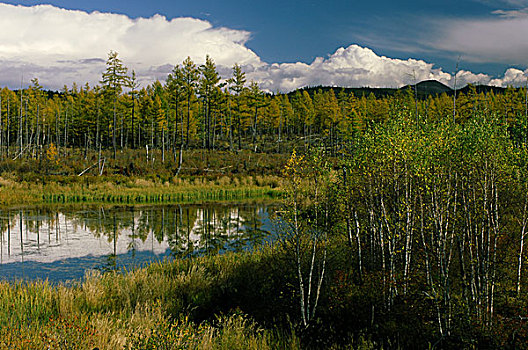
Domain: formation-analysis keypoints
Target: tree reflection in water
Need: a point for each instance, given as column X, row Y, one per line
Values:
column 49, row 234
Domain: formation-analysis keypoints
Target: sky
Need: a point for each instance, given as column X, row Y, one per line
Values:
column 282, row 45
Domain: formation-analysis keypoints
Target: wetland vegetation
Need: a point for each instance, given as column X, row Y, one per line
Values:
column 401, row 217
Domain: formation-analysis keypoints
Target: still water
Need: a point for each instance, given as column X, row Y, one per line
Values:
column 63, row 244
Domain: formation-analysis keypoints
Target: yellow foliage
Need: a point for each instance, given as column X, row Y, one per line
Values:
column 52, row 154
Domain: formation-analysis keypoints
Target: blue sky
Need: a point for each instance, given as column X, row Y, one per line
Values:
column 291, row 32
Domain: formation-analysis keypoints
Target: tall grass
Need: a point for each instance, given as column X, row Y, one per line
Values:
column 137, row 190
column 139, row 196
column 170, row 305
column 230, row 332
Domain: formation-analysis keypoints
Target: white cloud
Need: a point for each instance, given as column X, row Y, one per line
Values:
column 61, row 46
column 354, row 66
column 54, row 44
column 357, row 66
column 512, row 77
column 523, row 12
column 504, row 3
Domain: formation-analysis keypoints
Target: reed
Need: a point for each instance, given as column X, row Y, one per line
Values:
column 138, row 191
column 140, row 196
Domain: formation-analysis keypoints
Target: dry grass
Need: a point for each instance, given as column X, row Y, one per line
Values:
column 142, row 309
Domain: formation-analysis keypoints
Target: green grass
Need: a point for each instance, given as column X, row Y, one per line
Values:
column 118, row 190
column 243, row 300
column 168, row 196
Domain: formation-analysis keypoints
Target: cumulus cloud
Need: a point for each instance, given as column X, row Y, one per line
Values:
column 357, row 66
column 53, row 43
column 61, row 46
column 512, row 77
column 352, row 66
column 523, row 12
column 507, row 3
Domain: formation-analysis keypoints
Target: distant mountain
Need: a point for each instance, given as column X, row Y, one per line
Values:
column 425, row 89
column 429, row 87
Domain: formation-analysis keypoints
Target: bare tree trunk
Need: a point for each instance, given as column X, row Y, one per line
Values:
column 408, row 229
column 526, row 110
column 98, row 137
column 114, row 129
column 188, row 119
column 151, row 139
column 20, row 140
column 65, row 131
column 132, row 123
column 1, row 130
column 99, row 165
column 8, row 143
column 180, row 159
column 358, row 243
column 163, row 144
column 521, row 247
column 175, row 132
column 121, row 131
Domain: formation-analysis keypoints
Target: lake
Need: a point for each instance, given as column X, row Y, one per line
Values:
column 63, row 244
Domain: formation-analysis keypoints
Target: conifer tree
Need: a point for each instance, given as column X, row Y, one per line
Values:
column 207, row 85
column 175, row 89
column 256, row 102
column 237, row 83
column 133, row 84
column 190, row 76
column 114, row 79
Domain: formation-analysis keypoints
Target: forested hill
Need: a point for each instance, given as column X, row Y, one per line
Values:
column 424, row 89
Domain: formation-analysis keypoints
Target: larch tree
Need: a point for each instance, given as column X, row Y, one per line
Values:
column 114, row 79
column 286, row 115
column 190, row 74
column 237, row 85
column 175, row 87
column 274, row 115
column 256, row 101
column 133, row 85
column 208, row 82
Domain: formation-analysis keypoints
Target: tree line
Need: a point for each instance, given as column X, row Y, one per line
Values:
column 197, row 108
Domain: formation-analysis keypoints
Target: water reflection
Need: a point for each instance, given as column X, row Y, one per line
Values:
column 63, row 244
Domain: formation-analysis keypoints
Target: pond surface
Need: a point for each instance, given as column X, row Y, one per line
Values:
column 61, row 245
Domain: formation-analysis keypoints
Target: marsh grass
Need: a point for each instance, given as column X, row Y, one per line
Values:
column 162, row 195
column 137, row 190
column 229, row 332
column 205, row 176
column 185, row 303
column 244, row 300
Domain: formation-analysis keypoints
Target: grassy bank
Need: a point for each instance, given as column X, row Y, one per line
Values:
column 197, row 304
column 135, row 190
column 233, row 301
column 415, row 238
column 131, row 179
